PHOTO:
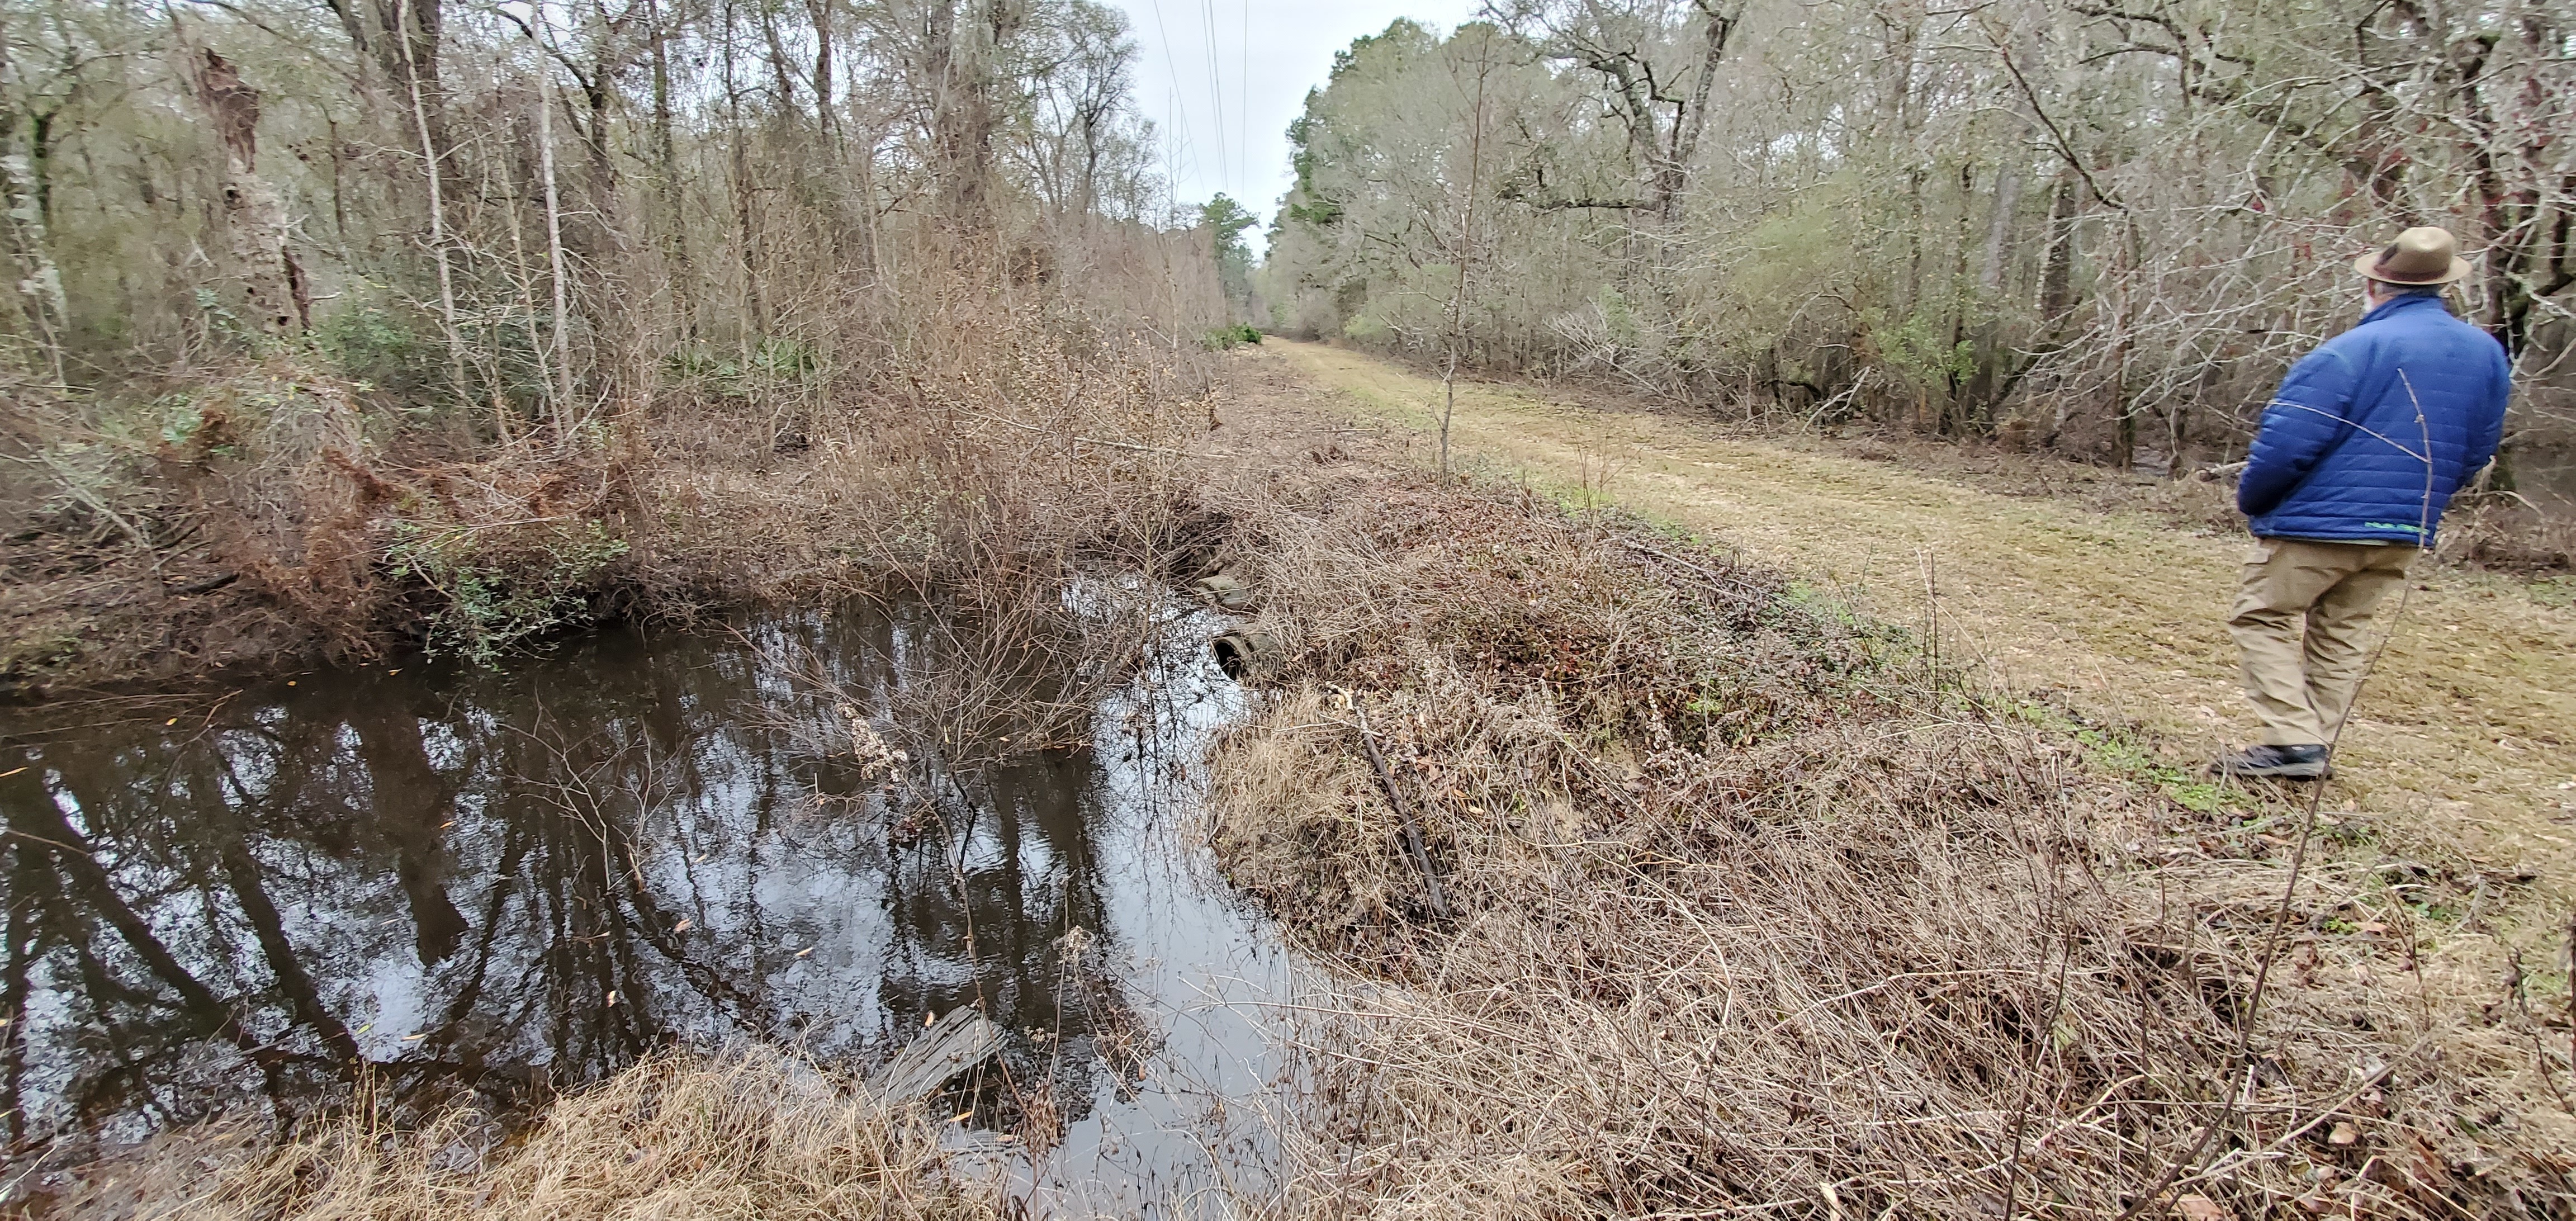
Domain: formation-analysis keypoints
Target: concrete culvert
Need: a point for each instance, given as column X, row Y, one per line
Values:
column 1243, row 655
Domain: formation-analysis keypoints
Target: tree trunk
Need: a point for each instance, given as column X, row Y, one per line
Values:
column 753, row 316
column 966, row 40
column 1717, row 26
column 1990, row 274
column 561, row 357
column 2057, row 278
column 40, row 282
column 419, row 82
column 682, row 276
column 273, row 298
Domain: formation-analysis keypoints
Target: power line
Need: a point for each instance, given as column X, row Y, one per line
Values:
column 1243, row 94
column 1216, row 84
column 1180, row 109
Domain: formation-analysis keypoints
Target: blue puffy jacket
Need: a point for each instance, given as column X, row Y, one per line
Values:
column 2342, row 455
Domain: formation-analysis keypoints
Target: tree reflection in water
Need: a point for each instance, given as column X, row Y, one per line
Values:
column 508, row 882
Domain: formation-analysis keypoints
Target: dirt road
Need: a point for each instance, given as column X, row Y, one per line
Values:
column 2465, row 736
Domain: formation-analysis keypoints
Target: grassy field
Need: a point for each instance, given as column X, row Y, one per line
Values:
column 2466, row 735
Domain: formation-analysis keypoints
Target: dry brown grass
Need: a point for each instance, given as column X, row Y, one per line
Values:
column 2460, row 741
column 2496, row 532
column 1754, row 912
column 1035, row 443
column 749, row 1135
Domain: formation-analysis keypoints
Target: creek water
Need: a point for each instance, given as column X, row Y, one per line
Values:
column 500, row 884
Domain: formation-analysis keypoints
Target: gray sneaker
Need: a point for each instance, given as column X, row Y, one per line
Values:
column 2275, row 762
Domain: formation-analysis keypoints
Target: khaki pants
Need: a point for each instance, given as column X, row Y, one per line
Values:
column 2301, row 686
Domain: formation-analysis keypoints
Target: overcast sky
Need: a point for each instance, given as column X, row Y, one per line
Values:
column 1222, row 78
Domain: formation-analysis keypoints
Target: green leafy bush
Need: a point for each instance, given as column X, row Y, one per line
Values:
column 773, row 366
column 498, row 586
column 1225, row 337
column 380, row 346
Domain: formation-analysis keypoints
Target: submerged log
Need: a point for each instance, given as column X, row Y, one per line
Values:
column 949, row 1046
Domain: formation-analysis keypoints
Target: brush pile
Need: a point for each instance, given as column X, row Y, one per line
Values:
column 1749, row 906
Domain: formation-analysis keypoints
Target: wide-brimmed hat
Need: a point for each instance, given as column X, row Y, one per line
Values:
column 2420, row 257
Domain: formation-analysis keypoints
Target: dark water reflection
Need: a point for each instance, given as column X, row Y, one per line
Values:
column 503, row 883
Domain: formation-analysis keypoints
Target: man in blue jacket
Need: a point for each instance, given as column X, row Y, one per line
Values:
column 2356, row 458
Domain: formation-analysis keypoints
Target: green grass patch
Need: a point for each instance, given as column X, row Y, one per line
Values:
column 2124, row 755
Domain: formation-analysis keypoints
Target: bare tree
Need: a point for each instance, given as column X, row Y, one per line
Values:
column 1835, row 208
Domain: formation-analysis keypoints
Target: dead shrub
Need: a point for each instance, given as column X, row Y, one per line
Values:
column 1749, row 908
column 2502, row 530
column 1001, row 437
